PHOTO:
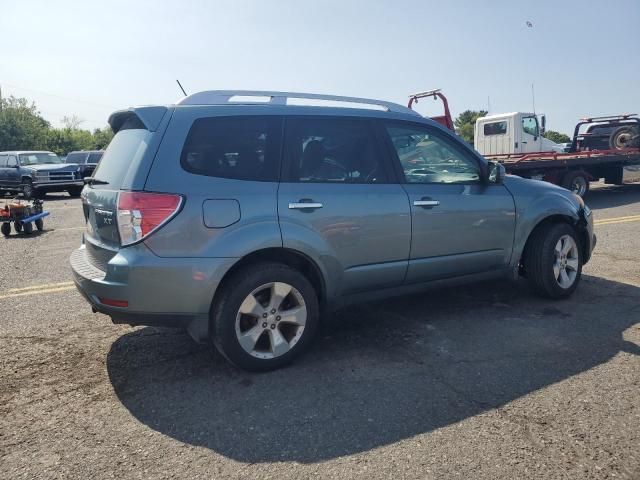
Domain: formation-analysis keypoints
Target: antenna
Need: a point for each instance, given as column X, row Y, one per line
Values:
column 180, row 85
column 488, row 104
column 533, row 99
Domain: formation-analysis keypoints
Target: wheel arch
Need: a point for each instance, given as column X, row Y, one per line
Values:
column 292, row 258
column 555, row 219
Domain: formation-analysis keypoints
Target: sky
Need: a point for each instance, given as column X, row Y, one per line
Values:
column 88, row 58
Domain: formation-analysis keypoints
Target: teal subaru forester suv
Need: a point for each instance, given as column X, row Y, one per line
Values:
column 241, row 216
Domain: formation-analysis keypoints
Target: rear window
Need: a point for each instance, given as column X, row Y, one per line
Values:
column 495, row 128
column 242, row 148
column 126, row 148
column 75, row 158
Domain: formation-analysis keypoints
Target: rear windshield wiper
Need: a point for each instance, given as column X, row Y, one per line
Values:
column 94, row 181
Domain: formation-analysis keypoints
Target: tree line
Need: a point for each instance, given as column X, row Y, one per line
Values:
column 23, row 128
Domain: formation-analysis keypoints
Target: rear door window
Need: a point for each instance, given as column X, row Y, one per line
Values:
column 333, row 150
column 242, row 148
column 127, row 148
column 3, row 161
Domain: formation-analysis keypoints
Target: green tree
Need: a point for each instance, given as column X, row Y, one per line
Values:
column 557, row 136
column 465, row 123
column 102, row 137
column 21, row 126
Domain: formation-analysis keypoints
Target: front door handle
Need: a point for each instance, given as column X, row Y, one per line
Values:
column 426, row 203
column 304, row 205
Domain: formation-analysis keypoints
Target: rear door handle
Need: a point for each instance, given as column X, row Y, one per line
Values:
column 426, row 203
column 304, row 205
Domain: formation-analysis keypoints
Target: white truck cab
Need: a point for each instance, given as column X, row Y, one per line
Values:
column 512, row 133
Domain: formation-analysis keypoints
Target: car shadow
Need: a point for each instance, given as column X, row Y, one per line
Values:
column 609, row 196
column 379, row 373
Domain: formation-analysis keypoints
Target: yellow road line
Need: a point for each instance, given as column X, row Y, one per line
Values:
column 37, row 292
column 40, row 287
column 66, row 228
column 600, row 220
column 614, row 221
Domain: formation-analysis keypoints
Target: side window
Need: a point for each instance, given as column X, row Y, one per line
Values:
column 3, row 161
column 242, row 148
column 94, row 157
column 530, row 125
column 427, row 156
column 330, row 150
column 12, row 161
column 75, row 158
column 495, row 128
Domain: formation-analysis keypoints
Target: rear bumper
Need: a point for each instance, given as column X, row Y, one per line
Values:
column 165, row 292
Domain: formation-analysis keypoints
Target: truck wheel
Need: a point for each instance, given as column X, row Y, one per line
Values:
column 6, row 229
column 553, row 260
column 624, row 137
column 74, row 192
column 39, row 224
column 577, row 181
column 17, row 226
column 265, row 317
column 28, row 228
column 27, row 189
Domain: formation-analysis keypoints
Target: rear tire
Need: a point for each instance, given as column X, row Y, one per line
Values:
column 265, row 316
column 28, row 228
column 17, row 226
column 5, row 229
column 39, row 224
column 552, row 249
column 577, row 181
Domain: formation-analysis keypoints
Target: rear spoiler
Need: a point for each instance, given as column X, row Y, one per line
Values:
column 149, row 117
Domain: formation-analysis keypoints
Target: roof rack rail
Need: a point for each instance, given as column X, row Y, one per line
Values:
column 225, row 97
column 624, row 116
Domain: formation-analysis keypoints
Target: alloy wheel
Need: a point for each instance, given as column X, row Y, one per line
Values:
column 271, row 320
column 566, row 261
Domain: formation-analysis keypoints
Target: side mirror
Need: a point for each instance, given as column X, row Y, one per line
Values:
column 496, row 173
column 543, row 121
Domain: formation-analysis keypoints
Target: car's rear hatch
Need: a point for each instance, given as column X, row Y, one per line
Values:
column 123, row 167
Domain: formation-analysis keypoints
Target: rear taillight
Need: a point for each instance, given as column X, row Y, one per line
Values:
column 141, row 213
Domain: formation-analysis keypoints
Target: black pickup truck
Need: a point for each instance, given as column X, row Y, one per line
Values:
column 34, row 173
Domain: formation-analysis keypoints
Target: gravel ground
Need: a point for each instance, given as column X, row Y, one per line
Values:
column 484, row 381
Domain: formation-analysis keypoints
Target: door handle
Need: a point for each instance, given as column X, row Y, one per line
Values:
column 304, row 205
column 426, row 203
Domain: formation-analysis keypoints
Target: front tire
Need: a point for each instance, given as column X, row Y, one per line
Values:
column 28, row 191
column 74, row 192
column 266, row 316
column 553, row 261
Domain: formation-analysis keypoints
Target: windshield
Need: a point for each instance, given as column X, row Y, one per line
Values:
column 39, row 158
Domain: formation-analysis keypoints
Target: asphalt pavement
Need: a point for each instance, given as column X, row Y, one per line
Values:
column 481, row 381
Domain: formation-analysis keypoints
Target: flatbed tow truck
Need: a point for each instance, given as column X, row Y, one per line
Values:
column 602, row 147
